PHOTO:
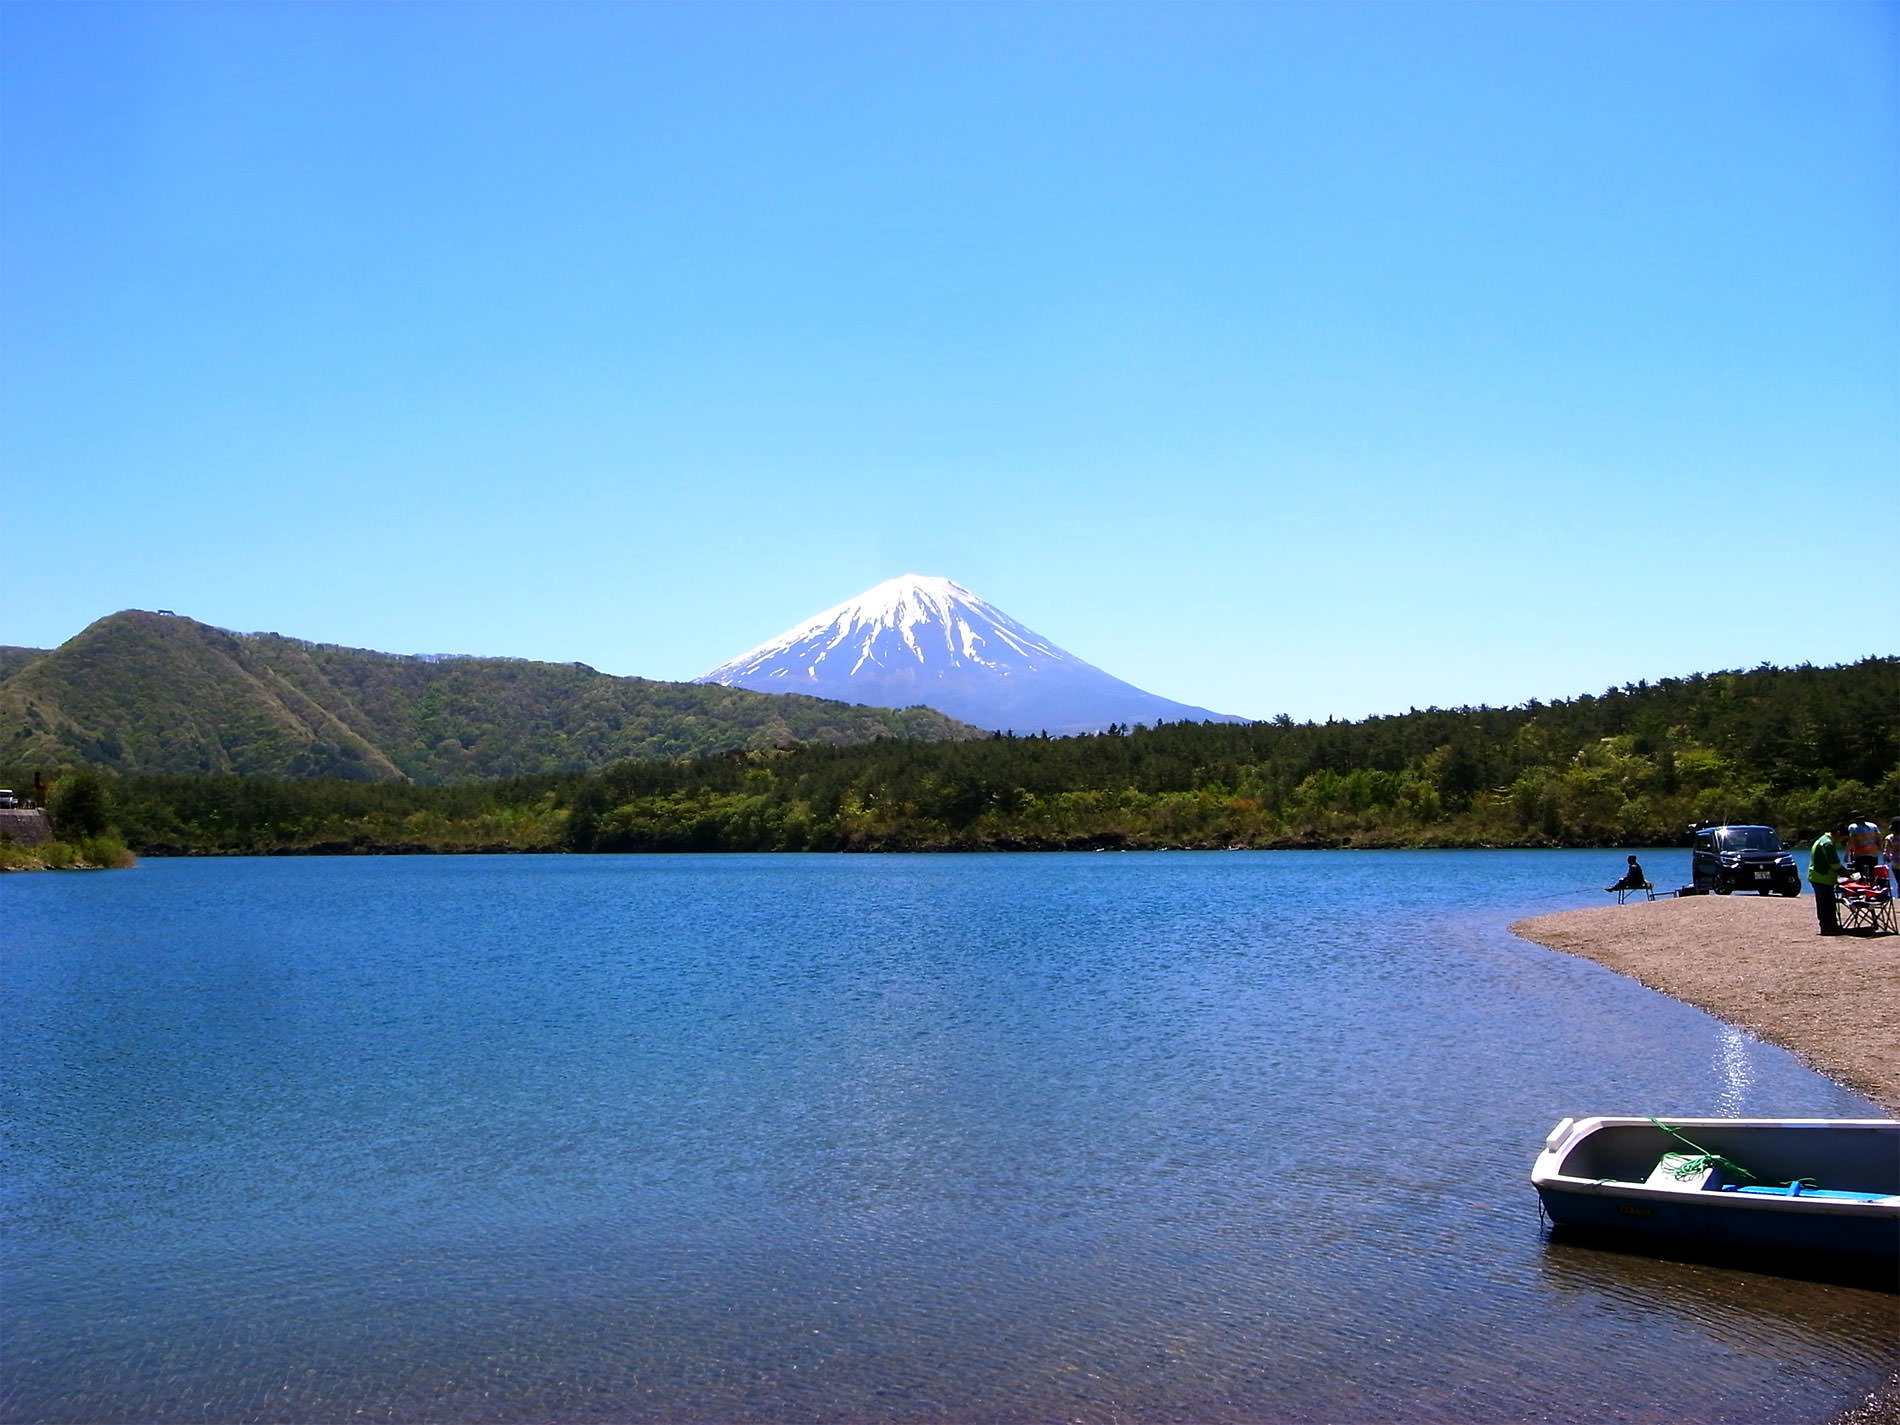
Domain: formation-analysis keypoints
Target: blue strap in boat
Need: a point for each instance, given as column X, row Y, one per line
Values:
column 1830, row 1194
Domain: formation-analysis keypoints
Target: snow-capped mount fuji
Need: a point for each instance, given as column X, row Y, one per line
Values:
column 918, row 639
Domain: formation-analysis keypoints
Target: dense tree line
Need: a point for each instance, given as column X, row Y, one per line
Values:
column 1793, row 748
column 226, row 815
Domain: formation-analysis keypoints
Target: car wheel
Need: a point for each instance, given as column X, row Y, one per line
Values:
column 1722, row 890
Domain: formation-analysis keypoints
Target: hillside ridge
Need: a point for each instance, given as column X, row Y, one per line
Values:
column 144, row 692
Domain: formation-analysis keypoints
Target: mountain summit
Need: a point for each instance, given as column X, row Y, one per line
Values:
column 918, row 639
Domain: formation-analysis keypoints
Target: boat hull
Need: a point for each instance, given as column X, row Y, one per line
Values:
column 1610, row 1175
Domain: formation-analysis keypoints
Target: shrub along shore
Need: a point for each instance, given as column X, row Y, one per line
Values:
column 101, row 853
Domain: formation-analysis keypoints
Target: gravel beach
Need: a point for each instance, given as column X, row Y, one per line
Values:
column 1758, row 962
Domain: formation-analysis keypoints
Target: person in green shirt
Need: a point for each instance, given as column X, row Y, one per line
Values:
column 1824, row 869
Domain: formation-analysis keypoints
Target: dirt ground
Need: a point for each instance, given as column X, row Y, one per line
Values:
column 1759, row 962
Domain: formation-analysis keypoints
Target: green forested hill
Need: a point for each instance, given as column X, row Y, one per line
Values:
column 155, row 693
column 1793, row 748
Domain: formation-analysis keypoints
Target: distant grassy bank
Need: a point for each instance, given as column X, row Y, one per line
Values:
column 100, row 853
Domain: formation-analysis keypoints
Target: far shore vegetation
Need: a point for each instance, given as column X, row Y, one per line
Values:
column 106, row 853
column 1792, row 748
column 84, row 837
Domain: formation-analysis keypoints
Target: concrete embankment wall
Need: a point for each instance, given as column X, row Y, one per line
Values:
column 25, row 828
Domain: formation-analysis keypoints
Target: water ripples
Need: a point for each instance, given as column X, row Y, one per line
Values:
column 1096, row 1138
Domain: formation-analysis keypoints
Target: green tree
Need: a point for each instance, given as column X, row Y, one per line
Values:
column 79, row 807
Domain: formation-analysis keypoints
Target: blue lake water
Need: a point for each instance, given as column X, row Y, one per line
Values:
column 1101, row 1138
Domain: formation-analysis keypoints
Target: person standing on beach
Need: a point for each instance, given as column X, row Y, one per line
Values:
column 1863, row 846
column 1893, row 847
column 1824, row 869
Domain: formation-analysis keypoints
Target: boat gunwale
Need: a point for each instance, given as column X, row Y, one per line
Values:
column 1570, row 1133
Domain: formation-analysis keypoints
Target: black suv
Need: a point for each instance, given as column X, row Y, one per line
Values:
column 1742, row 858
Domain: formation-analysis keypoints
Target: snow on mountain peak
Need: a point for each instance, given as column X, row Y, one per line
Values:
column 914, row 617
column 919, row 638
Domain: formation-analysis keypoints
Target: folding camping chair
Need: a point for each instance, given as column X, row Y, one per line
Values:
column 1866, row 905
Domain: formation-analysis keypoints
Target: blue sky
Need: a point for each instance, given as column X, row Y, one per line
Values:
column 1318, row 359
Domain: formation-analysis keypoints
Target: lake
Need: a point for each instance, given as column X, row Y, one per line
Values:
column 1236, row 1136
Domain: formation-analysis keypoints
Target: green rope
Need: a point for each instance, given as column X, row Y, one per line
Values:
column 1689, row 1167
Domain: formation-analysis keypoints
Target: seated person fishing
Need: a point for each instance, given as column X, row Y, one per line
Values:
column 1633, row 879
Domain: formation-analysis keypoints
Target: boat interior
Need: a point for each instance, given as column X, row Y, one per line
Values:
column 1831, row 1160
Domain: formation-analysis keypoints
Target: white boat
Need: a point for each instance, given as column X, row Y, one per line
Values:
column 1806, row 1185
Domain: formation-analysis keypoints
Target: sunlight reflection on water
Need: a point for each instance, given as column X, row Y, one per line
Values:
column 1735, row 1064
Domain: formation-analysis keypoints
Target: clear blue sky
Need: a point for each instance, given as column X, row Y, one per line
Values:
column 1319, row 359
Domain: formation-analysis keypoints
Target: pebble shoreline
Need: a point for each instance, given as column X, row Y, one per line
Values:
column 1757, row 962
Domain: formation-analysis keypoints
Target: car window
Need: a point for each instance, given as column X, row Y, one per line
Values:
column 1749, row 838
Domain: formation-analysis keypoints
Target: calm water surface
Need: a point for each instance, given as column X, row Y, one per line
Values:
column 1100, row 1138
